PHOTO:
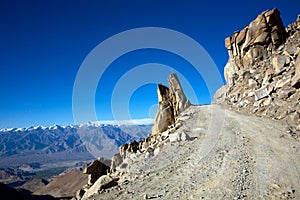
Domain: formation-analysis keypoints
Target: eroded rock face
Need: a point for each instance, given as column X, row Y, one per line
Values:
column 165, row 114
column 254, row 43
column 263, row 71
column 171, row 102
column 95, row 170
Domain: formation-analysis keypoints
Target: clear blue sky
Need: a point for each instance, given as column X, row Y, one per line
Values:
column 43, row 44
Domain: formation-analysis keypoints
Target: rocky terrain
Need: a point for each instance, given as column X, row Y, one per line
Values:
column 245, row 157
column 263, row 70
column 245, row 146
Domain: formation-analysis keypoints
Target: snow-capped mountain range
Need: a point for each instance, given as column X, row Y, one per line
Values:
column 145, row 121
column 72, row 142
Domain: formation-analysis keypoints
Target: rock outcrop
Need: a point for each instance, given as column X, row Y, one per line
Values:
column 263, row 71
column 171, row 102
column 95, row 170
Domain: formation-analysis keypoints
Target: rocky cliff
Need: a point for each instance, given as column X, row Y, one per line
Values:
column 263, row 70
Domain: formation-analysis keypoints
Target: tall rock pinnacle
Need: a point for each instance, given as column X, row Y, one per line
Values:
column 171, row 102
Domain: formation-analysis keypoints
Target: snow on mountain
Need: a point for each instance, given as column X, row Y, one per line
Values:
column 59, row 143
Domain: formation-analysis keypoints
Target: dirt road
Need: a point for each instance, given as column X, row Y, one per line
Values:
column 229, row 156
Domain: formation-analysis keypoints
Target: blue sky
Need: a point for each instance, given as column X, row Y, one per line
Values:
column 43, row 44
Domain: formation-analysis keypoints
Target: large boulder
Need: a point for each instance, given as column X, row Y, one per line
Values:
column 95, row 170
column 103, row 182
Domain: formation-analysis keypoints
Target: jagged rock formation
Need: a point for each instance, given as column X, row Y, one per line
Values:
column 95, row 170
column 263, row 71
column 171, row 102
